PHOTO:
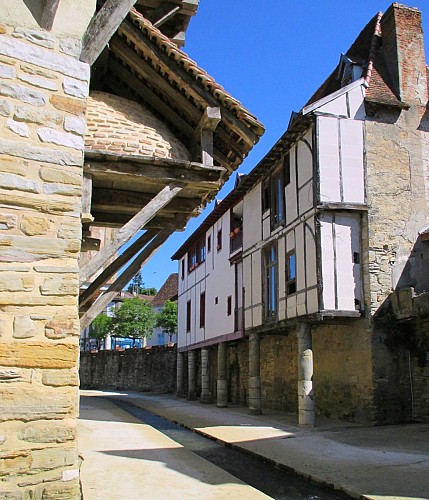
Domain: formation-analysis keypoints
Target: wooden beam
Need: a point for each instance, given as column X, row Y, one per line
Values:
column 85, row 215
column 162, row 14
column 130, row 202
column 116, row 220
column 129, row 230
column 143, row 68
column 48, row 14
column 184, row 79
column 114, row 267
column 145, row 93
column 104, row 300
column 208, row 123
column 102, row 28
column 203, row 178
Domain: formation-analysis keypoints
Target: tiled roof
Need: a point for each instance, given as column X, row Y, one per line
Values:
column 178, row 55
column 168, row 291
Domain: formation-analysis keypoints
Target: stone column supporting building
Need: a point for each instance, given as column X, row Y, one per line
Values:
column 306, row 412
column 255, row 404
column 192, row 377
column 206, row 395
column 222, row 392
column 180, row 391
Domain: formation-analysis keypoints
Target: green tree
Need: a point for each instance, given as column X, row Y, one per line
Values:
column 101, row 327
column 167, row 318
column 135, row 319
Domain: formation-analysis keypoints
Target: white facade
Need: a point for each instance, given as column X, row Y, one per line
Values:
column 301, row 233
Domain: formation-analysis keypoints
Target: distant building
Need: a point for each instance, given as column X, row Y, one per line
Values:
column 168, row 291
column 304, row 290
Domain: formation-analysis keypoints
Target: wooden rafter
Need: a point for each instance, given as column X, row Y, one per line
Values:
column 115, row 266
column 129, row 230
column 116, row 220
column 184, row 79
column 104, row 300
column 48, row 14
column 102, row 27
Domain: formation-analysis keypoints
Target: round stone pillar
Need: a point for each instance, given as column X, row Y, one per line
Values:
column 255, row 405
column 192, row 381
column 180, row 371
column 206, row 395
column 306, row 409
column 222, row 391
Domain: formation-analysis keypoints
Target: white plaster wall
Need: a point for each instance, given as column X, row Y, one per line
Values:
column 252, row 217
column 72, row 18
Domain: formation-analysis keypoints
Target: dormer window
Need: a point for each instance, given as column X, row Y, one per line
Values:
column 348, row 71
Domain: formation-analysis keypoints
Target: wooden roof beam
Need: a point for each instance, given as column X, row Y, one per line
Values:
column 204, row 133
column 162, row 14
column 115, row 220
column 183, row 78
column 49, row 13
column 115, row 266
column 102, row 27
column 104, row 300
column 129, row 230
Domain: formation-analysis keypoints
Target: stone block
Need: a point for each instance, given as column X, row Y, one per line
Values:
column 16, row 182
column 36, row 115
column 48, row 433
column 16, row 166
column 44, row 154
column 18, row 128
column 53, row 458
column 38, row 355
column 32, row 225
column 70, row 231
column 23, row 327
column 24, row 249
column 23, row 94
column 53, row 136
column 38, row 81
column 70, row 46
column 7, row 72
column 60, row 378
column 69, row 104
column 16, row 282
column 37, row 37
column 8, row 221
column 74, row 124
column 60, row 285
column 6, row 107
column 61, row 189
column 44, row 58
column 75, row 88
column 64, row 491
column 62, row 326
column 56, row 269
column 62, row 176
column 34, row 70
column 13, row 463
column 10, row 375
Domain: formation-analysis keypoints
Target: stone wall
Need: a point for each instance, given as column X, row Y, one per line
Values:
column 43, row 92
column 151, row 369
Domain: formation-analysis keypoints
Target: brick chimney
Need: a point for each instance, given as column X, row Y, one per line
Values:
column 403, row 44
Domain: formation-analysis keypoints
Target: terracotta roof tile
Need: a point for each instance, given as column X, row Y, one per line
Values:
column 168, row 291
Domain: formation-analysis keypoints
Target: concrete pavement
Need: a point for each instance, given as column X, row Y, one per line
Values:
column 380, row 463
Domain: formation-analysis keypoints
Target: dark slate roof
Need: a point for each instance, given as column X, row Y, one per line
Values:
column 168, row 291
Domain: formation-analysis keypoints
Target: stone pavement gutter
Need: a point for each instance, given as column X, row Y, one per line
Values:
column 375, row 463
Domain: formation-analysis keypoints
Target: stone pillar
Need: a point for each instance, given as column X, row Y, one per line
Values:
column 255, row 405
column 306, row 412
column 222, row 392
column 108, row 343
column 192, row 388
column 206, row 395
column 180, row 392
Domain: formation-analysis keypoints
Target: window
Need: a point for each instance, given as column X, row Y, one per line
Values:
column 270, row 282
column 197, row 254
column 182, row 269
column 219, row 240
column 290, row 273
column 188, row 316
column 202, row 309
column 265, row 195
column 229, row 305
column 277, row 198
column 286, row 167
column 209, row 243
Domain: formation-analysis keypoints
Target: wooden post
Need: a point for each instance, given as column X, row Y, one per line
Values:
column 48, row 15
column 204, row 132
column 306, row 407
column 85, row 215
column 255, row 404
column 206, row 395
column 222, row 392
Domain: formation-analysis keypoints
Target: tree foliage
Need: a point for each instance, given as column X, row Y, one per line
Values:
column 135, row 319
column 167, row 318
column 101, row 327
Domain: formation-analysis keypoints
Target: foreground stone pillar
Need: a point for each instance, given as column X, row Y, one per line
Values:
column 192, row 388
column 306, row 410
column 206, row 395
column 180, row 391
column 255, row 405
column 222, row 391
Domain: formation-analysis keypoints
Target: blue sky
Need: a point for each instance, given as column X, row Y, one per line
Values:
column 271, row 56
